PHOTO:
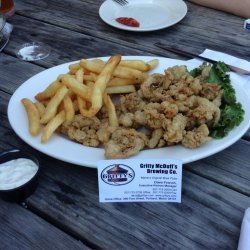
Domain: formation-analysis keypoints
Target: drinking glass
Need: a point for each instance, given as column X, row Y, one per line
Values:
column 30, row 51
column 7, row 8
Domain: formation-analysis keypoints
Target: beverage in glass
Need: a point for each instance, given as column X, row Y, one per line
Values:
column 7, row 7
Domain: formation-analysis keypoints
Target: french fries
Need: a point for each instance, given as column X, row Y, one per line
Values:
column 69, row 108
column 120, row 89
column 51, row 127
column 50, row 110
column 82, row 105
column 116, row 81
column 79, row 75
column 85, row 89
column 153, row 63
column 78, row 88
column 49, row 91
column 73, row 68
column 40, row 107
column 135, row 64
column 113, row 119
column 33, row 116
column 100, row 86
column 120, row 71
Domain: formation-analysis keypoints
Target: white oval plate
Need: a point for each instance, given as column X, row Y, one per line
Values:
column 66, row 150
column 151, row 14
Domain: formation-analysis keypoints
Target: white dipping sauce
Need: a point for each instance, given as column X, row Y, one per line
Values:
column 16, row 172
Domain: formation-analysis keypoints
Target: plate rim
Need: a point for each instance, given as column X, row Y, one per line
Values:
column 127, row 28
column 93, row 163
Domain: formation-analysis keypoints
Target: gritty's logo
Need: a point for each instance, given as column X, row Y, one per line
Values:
column 117, row 174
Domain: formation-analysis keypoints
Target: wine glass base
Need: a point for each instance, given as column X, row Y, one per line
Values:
column 33, row 51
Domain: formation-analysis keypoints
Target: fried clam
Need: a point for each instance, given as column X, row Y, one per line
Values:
column 154, row 117
column 175, row 129
column 127, row 120
column 176, row 73
column 131, row 103
column 157, row 114
column 204, row 111
column 196, row 137
column 136, row 120
column 156, row 139
column 105, row 131
column 182, row 84
column 210, row 91
column 83, row 130
column 155, row 87
column 124, row 143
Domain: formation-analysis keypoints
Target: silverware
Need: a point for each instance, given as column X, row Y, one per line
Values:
column 121, row 2
column 192, row 55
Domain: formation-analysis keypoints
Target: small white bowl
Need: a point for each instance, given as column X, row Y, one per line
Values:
column 21, row 192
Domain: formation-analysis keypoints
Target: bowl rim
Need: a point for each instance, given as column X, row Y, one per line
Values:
column 28, row 155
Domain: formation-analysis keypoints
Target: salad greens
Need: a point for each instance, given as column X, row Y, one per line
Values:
column 232, row 113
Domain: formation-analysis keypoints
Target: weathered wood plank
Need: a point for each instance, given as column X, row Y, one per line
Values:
column 215, row 192
column 66, row 46
column 70, row 192
column 232, row 165
column 247, row 135
column 206, row 218
column 35, row 233
column 201, row 28
column 14, row 72
column 67, row 196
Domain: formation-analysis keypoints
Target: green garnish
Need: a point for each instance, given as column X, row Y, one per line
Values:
column 231, row 116
column 232, row 113
column 195, row 72
column 218, row 74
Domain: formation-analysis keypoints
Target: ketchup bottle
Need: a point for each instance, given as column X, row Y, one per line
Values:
column 7, row 8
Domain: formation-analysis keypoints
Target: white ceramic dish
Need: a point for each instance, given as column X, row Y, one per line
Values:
column 151, row 14
column 63, row 149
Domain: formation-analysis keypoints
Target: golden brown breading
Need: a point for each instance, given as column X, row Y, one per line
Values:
column 154, row 88
column 174, row 108
column 127, row 120
column 154, row 118
column 204, row 111
column 83, row 130
column 155, row 140
column 131, row 103
column 210, row 91
column 124, row 143
column 105, row 131
column 170, row 110
column 175, row 129
column 196, row 137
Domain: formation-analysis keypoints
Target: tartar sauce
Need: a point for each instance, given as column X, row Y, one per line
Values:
column 16, row 172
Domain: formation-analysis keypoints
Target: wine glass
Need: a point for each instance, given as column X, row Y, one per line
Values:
column 32, row 51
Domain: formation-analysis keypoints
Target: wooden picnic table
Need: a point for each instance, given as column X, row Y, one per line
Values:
column 65, row 212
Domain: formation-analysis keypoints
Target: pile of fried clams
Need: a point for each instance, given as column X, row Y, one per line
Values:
column 167, row 109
